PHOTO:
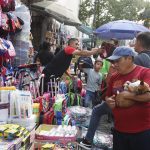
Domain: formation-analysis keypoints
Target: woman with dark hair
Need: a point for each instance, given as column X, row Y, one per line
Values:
column 44, row 56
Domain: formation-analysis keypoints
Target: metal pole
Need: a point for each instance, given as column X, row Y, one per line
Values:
column 94, row 21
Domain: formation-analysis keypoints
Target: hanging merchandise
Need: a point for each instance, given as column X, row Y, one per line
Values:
column 7, row 5
column 15, row 23
column 74, row 99
column 4, row 26
column 60, row 104
column 63, row 87
column 75, row 85
column 22, row 39
column 45, row 102
column 7, row 49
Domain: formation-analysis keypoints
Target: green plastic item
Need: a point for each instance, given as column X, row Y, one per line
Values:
column 105, row 68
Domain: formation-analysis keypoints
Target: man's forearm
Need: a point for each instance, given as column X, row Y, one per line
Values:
column 86, row 52
column 89, row 53
column 139, row 98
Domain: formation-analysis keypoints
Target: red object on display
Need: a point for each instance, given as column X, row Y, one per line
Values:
column 7, row 5
column 48, row 117
column 45, row 102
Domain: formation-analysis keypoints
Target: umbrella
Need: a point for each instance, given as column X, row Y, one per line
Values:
column 120, row 29
column 57, row 11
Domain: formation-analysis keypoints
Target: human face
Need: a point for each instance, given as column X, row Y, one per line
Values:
column 98, row 65
column 138, row 47
column 123, row 64
column 75, row 44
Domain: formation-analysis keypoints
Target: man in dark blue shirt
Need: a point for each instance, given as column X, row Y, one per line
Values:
column 142, row 47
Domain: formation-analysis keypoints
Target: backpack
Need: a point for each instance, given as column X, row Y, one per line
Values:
column 75, row 85
column 85, row 61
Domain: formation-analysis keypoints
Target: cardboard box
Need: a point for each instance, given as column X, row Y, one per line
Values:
column 43, row 138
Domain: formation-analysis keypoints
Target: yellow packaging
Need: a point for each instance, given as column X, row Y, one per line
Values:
column 48, row 147
column 12, row 126
column 13, row 132
column 3, row 128
column 21, row 132
column 8, row 88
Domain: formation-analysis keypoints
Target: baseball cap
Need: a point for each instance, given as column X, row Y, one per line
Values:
column 120, row 52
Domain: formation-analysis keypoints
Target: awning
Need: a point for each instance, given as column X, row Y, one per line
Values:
column 85, row 29
column 57, row 11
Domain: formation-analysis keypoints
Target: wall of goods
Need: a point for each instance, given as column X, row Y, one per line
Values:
column 31, row 119
column 14, row 42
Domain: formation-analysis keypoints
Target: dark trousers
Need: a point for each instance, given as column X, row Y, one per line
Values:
column 131, row 141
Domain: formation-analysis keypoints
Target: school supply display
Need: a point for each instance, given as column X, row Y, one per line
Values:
column 63, row 134
column 20, row 104
column 5, row 93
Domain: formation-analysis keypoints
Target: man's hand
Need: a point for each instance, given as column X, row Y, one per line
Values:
column 122, row 99
column 111, row 101
column 97, row 50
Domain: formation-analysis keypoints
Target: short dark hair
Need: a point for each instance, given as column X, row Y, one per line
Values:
column 98, row 60
column 116, row 42
column 144, row 39
column 72, row 40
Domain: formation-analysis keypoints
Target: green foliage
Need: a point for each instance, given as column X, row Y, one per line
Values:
column 85, row 11
column 145, row 15
column 104, row 11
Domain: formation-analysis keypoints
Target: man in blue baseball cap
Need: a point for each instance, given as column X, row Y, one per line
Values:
column 121, row 52
column 131, row 111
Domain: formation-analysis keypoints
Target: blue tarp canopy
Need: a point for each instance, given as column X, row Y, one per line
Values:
column 85, row 29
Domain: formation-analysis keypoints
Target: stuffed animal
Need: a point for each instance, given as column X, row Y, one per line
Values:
column 138, row 87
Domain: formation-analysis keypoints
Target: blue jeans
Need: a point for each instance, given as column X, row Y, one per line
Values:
column 89, row 98
column 131, row 141
column 97, row 112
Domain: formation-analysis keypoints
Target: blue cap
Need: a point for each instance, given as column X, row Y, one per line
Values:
column 120, row 52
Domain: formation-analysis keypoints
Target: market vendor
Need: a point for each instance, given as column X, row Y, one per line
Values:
column 60, row 63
